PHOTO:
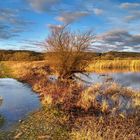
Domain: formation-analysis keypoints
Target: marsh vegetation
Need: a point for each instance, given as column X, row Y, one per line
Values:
column 76, row 107
column 70, row 109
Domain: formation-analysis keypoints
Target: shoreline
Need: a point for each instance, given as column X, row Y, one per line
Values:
column 69, row 109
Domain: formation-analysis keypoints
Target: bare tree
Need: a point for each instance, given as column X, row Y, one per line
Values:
column 70, row 50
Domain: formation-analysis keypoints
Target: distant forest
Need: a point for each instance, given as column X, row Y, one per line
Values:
column 19, row 55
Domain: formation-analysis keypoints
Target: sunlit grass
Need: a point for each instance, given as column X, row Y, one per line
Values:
column 74, row 111
column 109, row 98
column 125, row 65
column 106, row 128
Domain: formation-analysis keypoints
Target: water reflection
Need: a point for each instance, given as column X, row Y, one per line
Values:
column 1, row 100
column 1, row 117
column 115, row 70
column 17, row 101
column 128, row 79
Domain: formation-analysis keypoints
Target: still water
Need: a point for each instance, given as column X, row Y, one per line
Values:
column 18, row 100
column 127, row 79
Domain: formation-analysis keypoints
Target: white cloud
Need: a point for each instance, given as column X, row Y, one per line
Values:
column 52, row 26
column 42, row 5
column 118, row 40
column 69, row 17
column 134, row 15
column 128, row 5
column 11, row 23
column 97, row 11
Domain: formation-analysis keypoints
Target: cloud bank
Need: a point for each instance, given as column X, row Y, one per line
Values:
column 11, row 24
column 42, row 5
column 118, row 40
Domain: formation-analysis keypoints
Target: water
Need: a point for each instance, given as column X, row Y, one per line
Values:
column 127, row 79
column 18, row 100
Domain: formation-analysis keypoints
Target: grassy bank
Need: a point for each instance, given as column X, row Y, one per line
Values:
column 99, row 66
column 72, row 111
column 53, row 124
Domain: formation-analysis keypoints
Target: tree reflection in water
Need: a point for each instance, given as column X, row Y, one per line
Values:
column 1, row 117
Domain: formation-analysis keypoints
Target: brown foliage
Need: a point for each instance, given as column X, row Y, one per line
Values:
column 70, row 50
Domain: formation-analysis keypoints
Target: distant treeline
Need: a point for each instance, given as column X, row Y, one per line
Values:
column 120, row 55
column 20, row 55
column 11, row 55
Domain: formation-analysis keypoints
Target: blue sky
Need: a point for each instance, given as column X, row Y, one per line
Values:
column 24, row 24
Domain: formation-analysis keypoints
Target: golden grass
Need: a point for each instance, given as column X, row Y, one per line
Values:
column 75, row 108
column 53, row 124
column 106, row 128
column 109, row 98
column 99, row 66
column 35, row 74
column 110, row 65
column 19, row 69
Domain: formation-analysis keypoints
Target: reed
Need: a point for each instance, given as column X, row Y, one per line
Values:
column 73, row 111
column 129, row 65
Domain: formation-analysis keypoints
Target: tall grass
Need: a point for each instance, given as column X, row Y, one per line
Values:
column 74, row 111
column 37, row 74
column 131, row 65
column 110, row 98
column 106, row 128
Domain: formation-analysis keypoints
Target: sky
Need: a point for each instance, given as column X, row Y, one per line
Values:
column 25, row 24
